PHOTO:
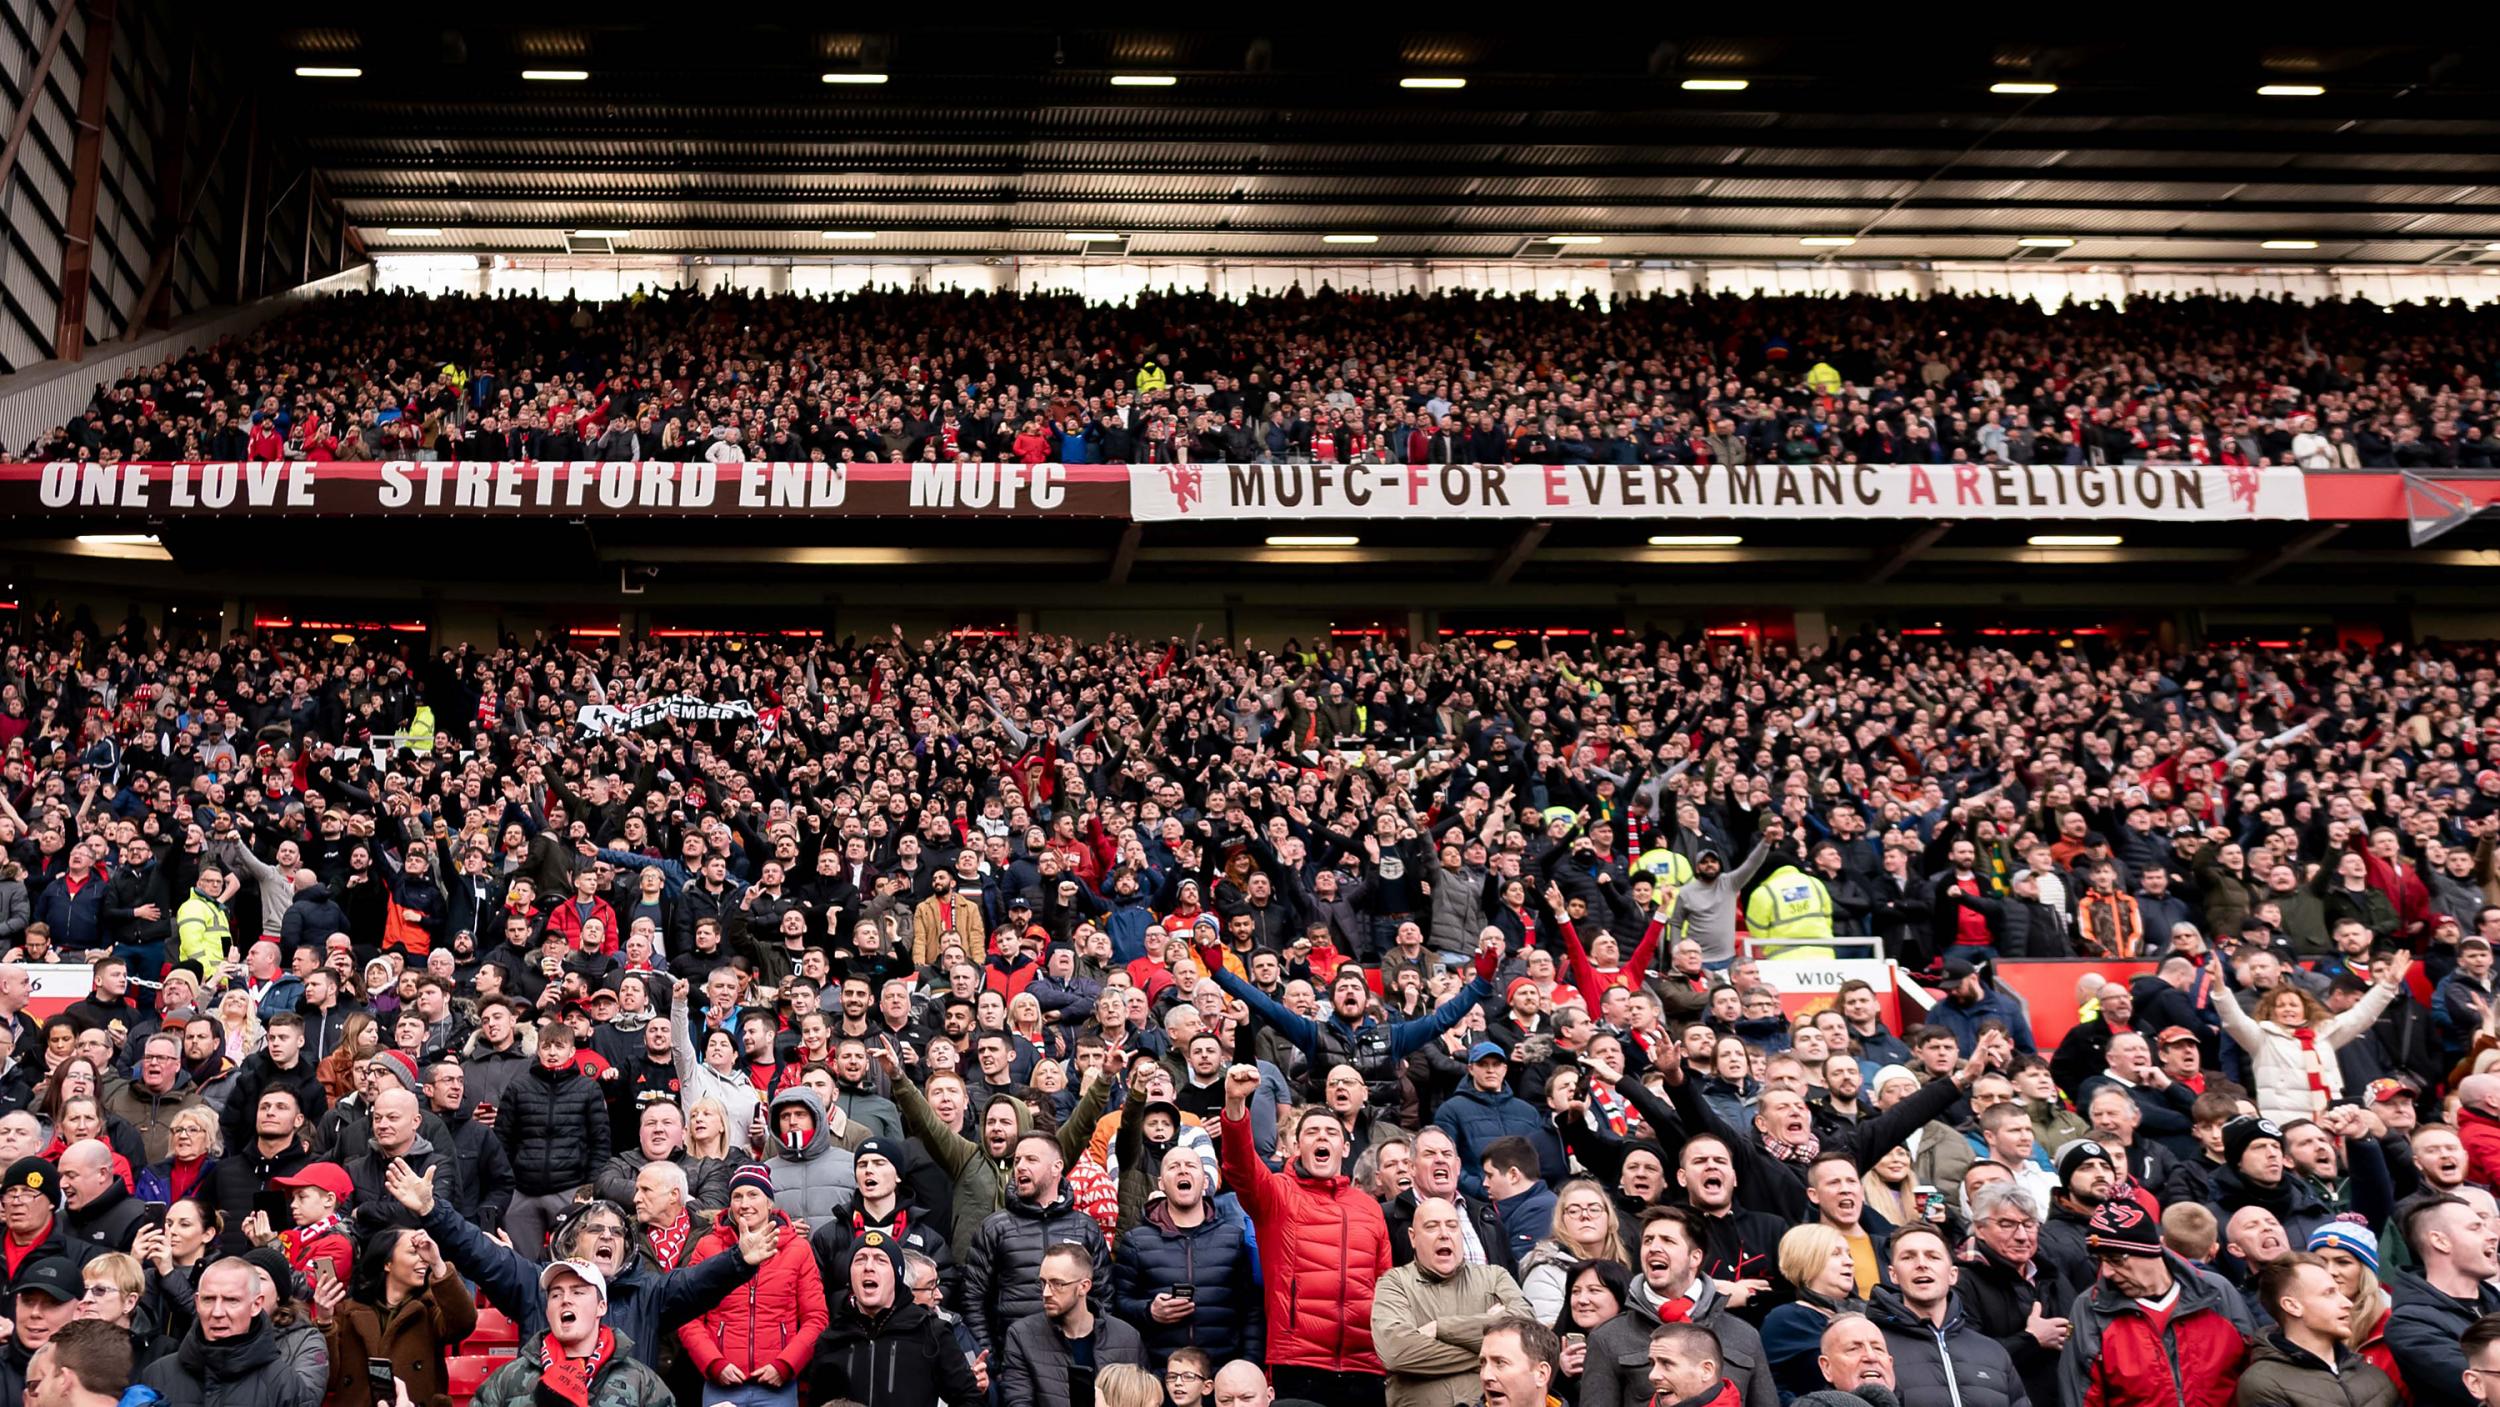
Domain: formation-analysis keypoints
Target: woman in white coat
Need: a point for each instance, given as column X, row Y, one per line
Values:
column 2291, row 1041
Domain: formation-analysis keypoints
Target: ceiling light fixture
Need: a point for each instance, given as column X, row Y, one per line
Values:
column 2022, row 90
column 1143, row 80
column 2045, row 242
column 555, row 75
column 2075, row 540
column 1697, row 540
column 1828, row 241
column 316, row 71
column 1310, row 541
column 117, row 539
column 862, row 79
column 1575, row 239
column 1432, row 83
column 603, row 234
column 1349, row 239
column 411, row 232
column 1717, row 85
column 2288, row 244
column 2291, row 90
column 1091, row 236
column 850, row 234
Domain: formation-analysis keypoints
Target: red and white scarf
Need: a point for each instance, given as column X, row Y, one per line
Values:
column 668, row 1243
column 565, row 1382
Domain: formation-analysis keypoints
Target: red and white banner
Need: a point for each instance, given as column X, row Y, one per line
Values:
column 2111, row 493
column 1171, row 493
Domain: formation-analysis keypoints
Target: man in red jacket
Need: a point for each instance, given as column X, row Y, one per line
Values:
column 1325, row 1245
column 2153, row 1331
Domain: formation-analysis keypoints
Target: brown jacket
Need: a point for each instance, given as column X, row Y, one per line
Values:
column 930, row 930
column 417, row 1337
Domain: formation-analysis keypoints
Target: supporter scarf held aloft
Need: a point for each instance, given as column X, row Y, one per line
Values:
column 566, row 1381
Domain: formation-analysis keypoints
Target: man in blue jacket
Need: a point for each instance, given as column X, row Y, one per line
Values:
column 1484, row 1112
column 644, row 1306
column 1350, row 1035
column 1971, row 999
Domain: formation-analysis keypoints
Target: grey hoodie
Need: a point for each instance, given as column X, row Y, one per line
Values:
column 812, row 1176
column 1706, row 909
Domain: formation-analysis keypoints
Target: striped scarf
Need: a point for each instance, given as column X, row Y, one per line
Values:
column 668, row 1243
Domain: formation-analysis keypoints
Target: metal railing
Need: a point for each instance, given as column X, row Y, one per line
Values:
column 1841, row 947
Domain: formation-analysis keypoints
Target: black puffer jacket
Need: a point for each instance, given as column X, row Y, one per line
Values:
column 1003, row 1265
column 905, row 1358
column 555, row 1125
column 1155, row 1255
column 1954, row 1363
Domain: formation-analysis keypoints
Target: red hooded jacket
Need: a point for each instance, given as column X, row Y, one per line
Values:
column 773, row 1318
column 1324, row 1243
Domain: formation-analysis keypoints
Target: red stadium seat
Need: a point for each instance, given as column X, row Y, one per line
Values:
column 493, row 1331
column 468, row 1372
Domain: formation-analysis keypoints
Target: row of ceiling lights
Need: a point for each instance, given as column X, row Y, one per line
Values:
column 1165, row 80
column 1709, row 540
column 1412, row 81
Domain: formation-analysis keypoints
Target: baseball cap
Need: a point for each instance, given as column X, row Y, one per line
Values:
column 329, row 1177
column 2174, row 1035
column 2387, row 1091
column 580, row 1269
column 1486, row 1050
column 49, row 1275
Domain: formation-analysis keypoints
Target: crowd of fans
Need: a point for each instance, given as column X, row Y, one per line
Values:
column 1052, row 1022
column 1444, row 378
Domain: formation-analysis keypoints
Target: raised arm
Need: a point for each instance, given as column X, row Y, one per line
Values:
column 1300, row 1030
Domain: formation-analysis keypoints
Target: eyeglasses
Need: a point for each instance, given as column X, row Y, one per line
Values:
column 2014, row 1225
column 1050, row 1284
column 1183, row 1375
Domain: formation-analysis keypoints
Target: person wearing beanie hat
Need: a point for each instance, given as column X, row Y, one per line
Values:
column 2256, row 1173
column 2151, row 1322
column 400, row 1066
column 30, row 1223
column 2087, row 1176
column 883, row 1209
column 885, row 1344
column 753, row 1346
column 1885, row 1076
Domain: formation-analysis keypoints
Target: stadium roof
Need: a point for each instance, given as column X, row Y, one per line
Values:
column 759, row 131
